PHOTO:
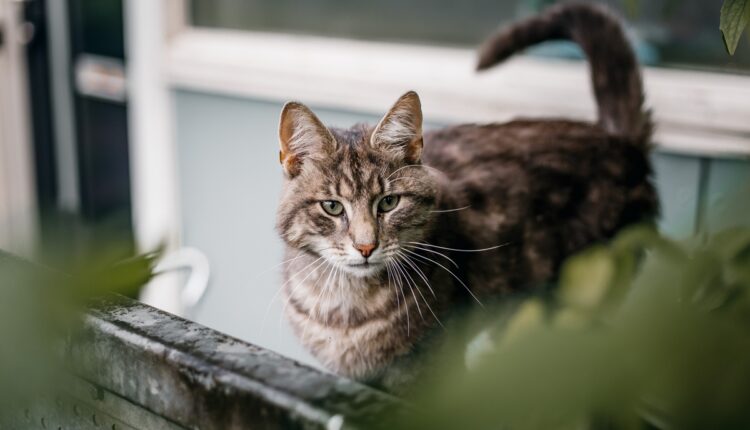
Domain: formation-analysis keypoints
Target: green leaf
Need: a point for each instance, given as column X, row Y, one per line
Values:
column 586, row 278
column 529, row 316
column 735, row 15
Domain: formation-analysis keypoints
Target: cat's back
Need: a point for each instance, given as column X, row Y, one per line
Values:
column 520, row 141
column 533, row 152
column 548, row 187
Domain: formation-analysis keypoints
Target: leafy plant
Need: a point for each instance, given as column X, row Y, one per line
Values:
column 642, row 333
column 735, row 17
column 40, row 306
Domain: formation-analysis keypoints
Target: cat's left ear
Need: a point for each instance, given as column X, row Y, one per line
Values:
column 400, row 130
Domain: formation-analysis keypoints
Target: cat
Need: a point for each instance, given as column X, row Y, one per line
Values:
column 387, row 229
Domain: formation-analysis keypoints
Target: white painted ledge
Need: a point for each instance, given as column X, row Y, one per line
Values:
column 696, row 112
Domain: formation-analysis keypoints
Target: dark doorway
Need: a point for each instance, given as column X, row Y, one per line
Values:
column 94, row 32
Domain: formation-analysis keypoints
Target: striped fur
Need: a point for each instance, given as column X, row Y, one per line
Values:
column 543, row 189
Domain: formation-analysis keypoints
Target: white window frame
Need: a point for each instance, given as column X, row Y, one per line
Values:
column 690, row 108
column 696, row 112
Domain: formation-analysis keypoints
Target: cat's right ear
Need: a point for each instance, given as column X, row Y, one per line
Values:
column 400, row 130
column 302, row 136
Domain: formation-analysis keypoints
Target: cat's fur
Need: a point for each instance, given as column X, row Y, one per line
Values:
column 542, row 188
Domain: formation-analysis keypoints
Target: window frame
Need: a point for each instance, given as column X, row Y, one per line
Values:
column 328, row 72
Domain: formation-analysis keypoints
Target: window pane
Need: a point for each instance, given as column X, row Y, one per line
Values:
column 670, row 33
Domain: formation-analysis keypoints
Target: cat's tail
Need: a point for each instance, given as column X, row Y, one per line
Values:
column 614, row 70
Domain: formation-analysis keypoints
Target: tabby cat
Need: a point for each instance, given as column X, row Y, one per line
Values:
column 388, row 228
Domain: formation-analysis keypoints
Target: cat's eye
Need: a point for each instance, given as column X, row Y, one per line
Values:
column 332, row 207
column 387, row 203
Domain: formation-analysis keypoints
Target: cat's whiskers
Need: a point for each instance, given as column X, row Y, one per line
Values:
column 403, row 290
column 340, row 290
column 403, row 293
column 461, row 250
column 291, row 277
column 311, row 312
column 390, row 286
column 336, row 280
column 415, row 165
column 299, row 255
column 419, row 271
column 403, row 178
column 431, row 251
column 409, row 283
column 281, row 288
column 354, row 337
column 411, row 263
column 450, row 210
column 400, row 286
column 451, row 273
column 300, row 283
column 334, row 267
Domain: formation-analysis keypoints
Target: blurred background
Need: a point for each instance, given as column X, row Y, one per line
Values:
column 156, row 120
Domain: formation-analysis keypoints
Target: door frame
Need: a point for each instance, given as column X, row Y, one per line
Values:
column 18, row 207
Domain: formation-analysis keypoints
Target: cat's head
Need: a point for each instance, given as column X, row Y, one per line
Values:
column 354, row 197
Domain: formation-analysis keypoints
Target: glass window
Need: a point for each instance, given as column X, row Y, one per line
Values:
column 667, row 33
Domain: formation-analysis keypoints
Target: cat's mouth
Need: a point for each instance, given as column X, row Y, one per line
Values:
column 363, row 264
column 365, row 268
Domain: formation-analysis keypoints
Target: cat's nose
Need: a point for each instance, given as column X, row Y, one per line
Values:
column 366, row 249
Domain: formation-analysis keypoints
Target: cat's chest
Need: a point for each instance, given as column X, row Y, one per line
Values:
column 346, row 343
column 352, row 329
column 350, row 351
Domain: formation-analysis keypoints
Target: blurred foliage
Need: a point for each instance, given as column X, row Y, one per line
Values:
column 642, row 333
column 41, row 305
column 735, row 17
column 633, row 7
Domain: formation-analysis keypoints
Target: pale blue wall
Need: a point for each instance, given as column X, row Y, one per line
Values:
column 727, row 194
column 678, row 183
column 229, row 186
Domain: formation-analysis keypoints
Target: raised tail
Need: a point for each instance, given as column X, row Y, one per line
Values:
column 614, row 70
